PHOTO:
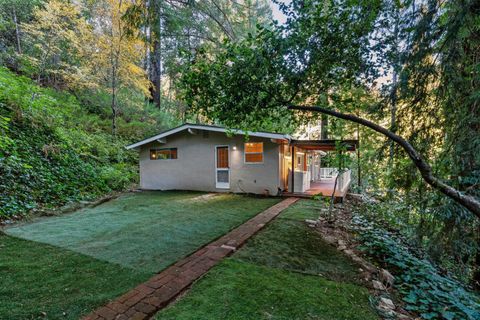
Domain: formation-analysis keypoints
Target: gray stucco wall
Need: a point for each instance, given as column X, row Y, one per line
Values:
column 195, row 167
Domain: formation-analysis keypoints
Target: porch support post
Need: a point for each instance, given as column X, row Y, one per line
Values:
column 358, row 164
column 293, row 168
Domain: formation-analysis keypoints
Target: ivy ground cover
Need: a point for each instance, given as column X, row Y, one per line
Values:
column 284, row 272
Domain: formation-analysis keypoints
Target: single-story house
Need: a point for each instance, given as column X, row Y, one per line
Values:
column 215, row 159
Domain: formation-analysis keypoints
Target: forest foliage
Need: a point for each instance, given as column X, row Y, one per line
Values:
column 80, row 79
column 410, row 67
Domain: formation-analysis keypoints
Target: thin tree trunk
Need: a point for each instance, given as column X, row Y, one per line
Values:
column 359, row 168
column 156, row 74
column 146, row 32
column 114, row 102
column 469, row 202
column 158, row 84
column 17, row 32
column 393, row 93
column 393, row 115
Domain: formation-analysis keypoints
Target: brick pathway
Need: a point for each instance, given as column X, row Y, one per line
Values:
column 146, row 299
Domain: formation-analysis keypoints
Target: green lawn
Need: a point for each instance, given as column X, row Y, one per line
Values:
column 79, row 261
column 284, row 272
column 39, row 281
column 146, row 231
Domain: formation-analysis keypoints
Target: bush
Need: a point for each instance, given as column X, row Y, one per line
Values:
column 52, row 151
column 424, row 288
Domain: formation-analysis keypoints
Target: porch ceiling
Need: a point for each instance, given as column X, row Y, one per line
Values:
column 325, row 145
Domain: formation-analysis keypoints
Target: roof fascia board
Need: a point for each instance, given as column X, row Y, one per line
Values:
column 208, row 128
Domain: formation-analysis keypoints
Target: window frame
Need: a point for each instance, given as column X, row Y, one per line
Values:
column 245, row 153
column 160, row 149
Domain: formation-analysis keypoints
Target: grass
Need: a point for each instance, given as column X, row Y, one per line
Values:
column 146, row 231
column 39, row 281
column 239, row 290
column 79, row 261
column 284, row 272
column 290, row 245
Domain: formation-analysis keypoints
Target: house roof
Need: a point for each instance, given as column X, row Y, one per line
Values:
column 325, row 145
column 188, row 126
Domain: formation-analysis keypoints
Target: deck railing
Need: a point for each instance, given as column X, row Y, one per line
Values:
column 331, row 173
column 344, row 179
column 328, row 173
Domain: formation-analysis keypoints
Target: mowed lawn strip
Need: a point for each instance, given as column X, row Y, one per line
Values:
column 39, row 281
column 146, row 231
column 288, row 243
column 286, row 271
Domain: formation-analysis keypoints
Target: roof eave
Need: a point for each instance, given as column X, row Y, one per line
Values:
column 209, row 128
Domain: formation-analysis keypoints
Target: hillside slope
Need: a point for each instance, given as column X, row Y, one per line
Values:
column 53, row 151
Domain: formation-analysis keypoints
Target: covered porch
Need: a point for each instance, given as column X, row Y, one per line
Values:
column 303, row 173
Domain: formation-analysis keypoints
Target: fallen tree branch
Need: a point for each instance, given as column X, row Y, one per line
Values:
column 469, row 202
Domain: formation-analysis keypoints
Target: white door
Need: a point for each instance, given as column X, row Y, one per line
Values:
column 222, row 167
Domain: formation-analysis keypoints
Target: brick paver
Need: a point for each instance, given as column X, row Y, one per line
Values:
column 149, row 297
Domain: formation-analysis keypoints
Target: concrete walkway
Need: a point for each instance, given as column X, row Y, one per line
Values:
column 148, row 298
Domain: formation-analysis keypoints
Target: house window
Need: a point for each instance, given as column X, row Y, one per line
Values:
column 254, row 152
column 163, row 154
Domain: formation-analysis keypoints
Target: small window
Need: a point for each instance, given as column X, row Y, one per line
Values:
column 163, row 154
column 254, row 152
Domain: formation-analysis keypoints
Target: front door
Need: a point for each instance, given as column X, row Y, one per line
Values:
column 222, row 167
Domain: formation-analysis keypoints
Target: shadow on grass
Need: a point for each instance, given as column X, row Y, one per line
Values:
column 240, row 290
column 39, row 281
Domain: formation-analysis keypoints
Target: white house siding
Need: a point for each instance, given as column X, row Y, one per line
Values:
column 195, row 167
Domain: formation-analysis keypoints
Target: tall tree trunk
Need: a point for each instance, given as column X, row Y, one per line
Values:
column 156, row 74
column 324, row 127
column 158, row 57
column 146, row 32
column 469, row 202
column 17, row 32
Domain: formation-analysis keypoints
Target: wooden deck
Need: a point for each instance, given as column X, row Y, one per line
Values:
column 323, row 187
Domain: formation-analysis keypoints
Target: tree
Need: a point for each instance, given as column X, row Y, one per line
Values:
column 173, row 30
column 324, row 47
column 56, row 39
column 469, row 202
column 117, row 56
column 12, row 14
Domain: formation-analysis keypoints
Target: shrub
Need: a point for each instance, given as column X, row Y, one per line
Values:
column 424, row 288
column 52, row 151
